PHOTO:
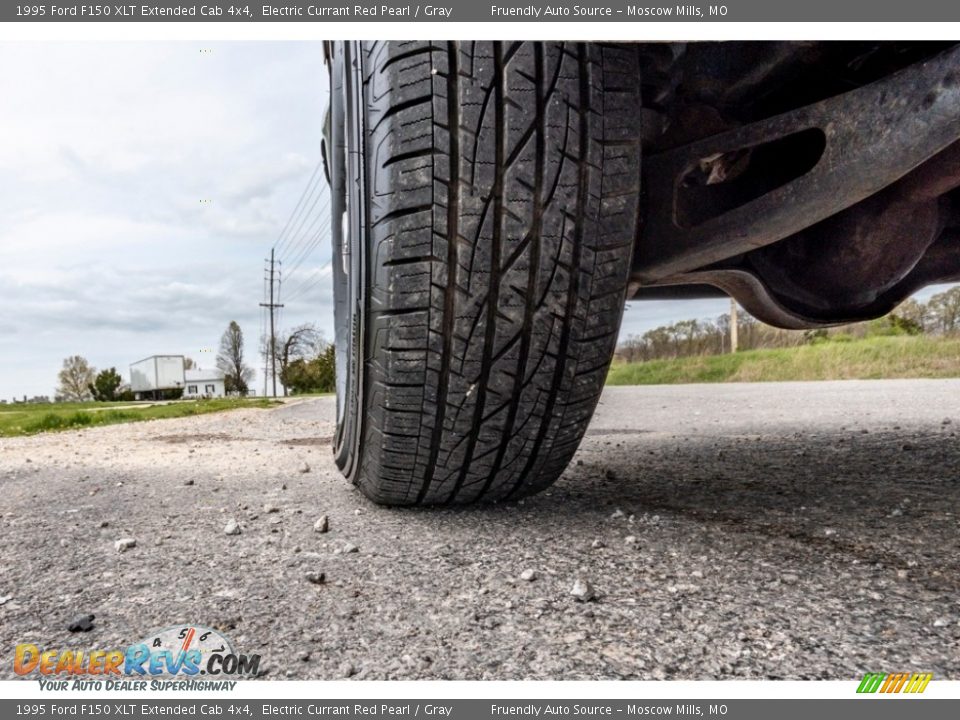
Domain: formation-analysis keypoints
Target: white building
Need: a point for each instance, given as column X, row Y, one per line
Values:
column 204, row 384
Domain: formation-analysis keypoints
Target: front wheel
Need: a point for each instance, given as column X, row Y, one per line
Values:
column 485, row 208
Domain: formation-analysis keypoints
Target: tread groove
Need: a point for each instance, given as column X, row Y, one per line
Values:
column 574, row 285
column 449, row 294
column 493, row 292
column 532, row 273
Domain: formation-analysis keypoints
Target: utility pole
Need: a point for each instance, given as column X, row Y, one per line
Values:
column 272, row 306
column 734, row 339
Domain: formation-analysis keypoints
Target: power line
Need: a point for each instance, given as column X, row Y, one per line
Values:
column 316, row 242
column 260, row 338
column 310, row 237
column 279, row 296
column 308, row 280
column 292, row 248
column 311, row 282
column 280, row 238
column 307, row 225
column 322, row 224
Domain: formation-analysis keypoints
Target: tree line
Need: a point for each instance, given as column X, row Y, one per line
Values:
column 305, row 363
column 940, row 315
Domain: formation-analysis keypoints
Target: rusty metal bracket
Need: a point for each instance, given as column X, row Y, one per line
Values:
column 873, row 136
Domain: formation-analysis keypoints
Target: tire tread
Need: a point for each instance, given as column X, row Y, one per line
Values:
column 504, row 193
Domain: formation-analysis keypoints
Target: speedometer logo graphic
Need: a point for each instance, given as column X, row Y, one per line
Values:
column 198, row 642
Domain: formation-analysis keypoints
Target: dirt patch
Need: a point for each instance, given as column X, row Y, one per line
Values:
column 308, row 441
column 199, row 437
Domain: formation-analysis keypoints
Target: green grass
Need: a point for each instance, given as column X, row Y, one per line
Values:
column 32, row 419
column 13, row 407
column 869, row 359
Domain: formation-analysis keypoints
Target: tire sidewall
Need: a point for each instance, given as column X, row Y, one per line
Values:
column 348, row 223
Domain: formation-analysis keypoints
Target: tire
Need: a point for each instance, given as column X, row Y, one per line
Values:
column 485, row 205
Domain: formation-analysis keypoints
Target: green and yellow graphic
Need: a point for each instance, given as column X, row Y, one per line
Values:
column 894, row 682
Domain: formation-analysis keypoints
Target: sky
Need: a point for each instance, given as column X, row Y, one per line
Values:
column 141, row 187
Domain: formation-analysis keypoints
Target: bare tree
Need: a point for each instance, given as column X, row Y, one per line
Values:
column 633, row 349
column 237, row 375
column 189, row 363
column 293, row 345
column 75, row 378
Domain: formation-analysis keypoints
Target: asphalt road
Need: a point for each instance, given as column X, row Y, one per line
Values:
column 730, row 531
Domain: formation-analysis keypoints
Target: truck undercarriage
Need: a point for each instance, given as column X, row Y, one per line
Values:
column 814, row 182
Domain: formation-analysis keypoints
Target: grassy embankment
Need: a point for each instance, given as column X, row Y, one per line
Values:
column 31, row 419
column 867, row 359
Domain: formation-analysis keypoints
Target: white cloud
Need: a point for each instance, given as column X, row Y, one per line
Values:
column 141, row 186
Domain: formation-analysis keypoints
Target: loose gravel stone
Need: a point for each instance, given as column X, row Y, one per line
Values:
column 528, row 575
column 81, row 623
column 124, row 544
column 304, row 468
column 232, row 528
column 317, row 578
column 582, row 590
column 322, row 524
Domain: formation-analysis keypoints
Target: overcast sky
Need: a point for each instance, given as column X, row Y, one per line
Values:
column 141, row 187
column 106, row 249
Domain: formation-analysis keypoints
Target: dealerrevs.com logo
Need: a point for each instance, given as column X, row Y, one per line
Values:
column 171, row 658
